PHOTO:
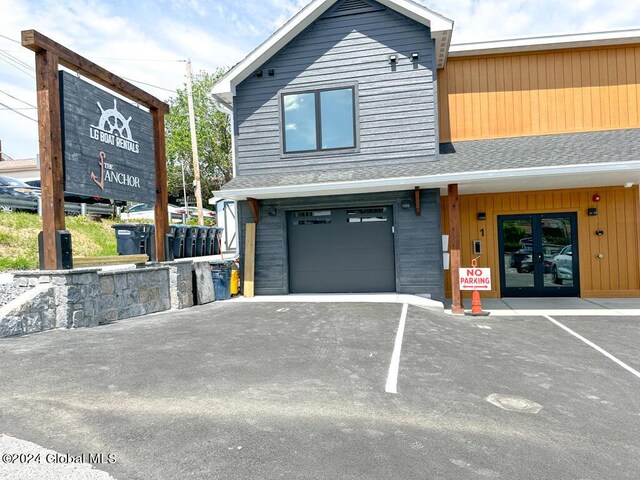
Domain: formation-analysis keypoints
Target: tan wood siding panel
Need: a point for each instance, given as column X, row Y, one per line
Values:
column 540, row 93
column 615, row 275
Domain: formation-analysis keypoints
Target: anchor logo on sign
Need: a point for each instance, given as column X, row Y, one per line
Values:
column 93, row 175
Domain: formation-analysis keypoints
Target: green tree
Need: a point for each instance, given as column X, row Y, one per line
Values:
column 214, row 139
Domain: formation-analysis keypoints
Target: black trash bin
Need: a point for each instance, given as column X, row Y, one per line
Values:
column 150, row 241
column 201, row 241
column 221, row 275
column 218, row 241
column 169, row 247
column 211, row 241
column 179, row 232
column 150, row 244
column 131, row 238
column 190, row 241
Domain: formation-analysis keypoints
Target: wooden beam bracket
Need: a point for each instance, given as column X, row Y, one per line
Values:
column 255, row 208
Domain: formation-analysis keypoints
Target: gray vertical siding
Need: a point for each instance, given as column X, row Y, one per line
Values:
column 396, row 104
column 418, row 246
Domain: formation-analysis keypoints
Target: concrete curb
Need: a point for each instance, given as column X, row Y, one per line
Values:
column 414, row 300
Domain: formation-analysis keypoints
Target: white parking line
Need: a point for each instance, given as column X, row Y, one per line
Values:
column 596, row 347
column 392, row 376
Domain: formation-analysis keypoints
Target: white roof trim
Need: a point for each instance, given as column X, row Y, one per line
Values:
column 429, row 181
column 547, row 42
column 441, row 27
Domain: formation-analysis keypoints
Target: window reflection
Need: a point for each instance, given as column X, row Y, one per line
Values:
column 300, row 122
column 337, row 118
column 320, row 120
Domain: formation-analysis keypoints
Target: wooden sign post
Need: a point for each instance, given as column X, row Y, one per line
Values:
column 49, row 55
column 454, row 243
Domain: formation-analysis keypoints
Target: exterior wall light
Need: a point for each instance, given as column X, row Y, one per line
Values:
column 415, row 56
column 482, row 216
column 592, row 212
column 393, row 58
column 259, row 74
column 405, row 204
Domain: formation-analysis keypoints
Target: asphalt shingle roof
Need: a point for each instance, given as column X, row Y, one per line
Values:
column 475, row 156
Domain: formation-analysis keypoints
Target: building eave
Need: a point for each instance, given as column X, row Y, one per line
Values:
column 225, row 89
column 522, row 179
column 546, row 42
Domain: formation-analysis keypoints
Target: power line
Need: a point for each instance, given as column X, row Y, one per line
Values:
column 149, row 84
column 17, row 60
column 16, row 98
column 139, row 59
column 19, row 108
column 16, row 66
column 19, row 113
column 11, row 39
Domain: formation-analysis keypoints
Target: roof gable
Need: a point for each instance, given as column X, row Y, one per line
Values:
column 440, row 27
column 351, row 7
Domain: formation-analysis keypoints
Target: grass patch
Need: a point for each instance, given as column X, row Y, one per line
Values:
column 19, row 239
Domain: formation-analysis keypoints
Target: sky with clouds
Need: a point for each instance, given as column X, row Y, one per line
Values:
column 148, row 40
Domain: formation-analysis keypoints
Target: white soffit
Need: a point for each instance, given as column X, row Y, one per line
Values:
column 514, row 180
column 547, row 42
column 441, row 27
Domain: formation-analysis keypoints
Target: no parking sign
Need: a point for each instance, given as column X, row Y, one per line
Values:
column 475, row 278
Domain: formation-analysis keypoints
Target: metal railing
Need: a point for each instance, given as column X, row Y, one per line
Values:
column 35, row 205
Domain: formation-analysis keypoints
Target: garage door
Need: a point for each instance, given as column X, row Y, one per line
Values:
column 341, row 250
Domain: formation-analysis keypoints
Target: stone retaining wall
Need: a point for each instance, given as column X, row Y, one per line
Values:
column 90, row 297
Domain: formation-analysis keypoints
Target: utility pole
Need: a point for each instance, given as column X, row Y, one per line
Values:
column 184, row 191
column 194, row 145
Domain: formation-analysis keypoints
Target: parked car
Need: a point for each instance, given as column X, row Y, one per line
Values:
column 562, row 265
column 193, row 212
column 14, row 189
column 518, row 258
column 548, row 251
column 145, row 211
column 76, row 198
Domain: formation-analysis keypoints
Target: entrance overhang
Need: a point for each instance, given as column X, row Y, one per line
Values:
column 481, row 181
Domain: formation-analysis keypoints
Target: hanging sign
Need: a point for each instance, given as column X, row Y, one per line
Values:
column 107, row 144
column 475, row 278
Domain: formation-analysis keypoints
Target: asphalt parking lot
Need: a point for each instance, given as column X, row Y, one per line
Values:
column 291, row 390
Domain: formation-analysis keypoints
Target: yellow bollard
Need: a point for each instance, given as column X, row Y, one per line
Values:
column 235, row 282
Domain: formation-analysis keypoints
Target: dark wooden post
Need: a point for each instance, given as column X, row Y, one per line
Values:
column 454, row 244
column 161, row 209
column 51, row 165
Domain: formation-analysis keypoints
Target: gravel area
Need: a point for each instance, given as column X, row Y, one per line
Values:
column 9, row 292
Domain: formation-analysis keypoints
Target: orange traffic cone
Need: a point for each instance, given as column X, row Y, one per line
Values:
column 476, row 305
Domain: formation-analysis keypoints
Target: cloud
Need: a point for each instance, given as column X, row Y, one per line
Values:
column 494, row 19
column 144, row 40
column 111, row 35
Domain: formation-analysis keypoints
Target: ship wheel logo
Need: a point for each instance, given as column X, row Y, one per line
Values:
column 112, row 121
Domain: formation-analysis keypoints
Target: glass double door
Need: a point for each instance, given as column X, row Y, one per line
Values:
column 538, row 255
